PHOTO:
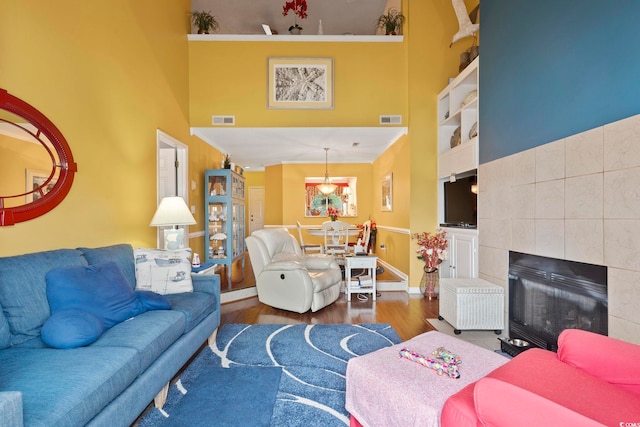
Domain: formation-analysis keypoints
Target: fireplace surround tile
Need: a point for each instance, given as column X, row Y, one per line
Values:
column 524, row 201
column 550, row 161
column 584, row 196
column 621, row 144
column 599, row 224
column 622, row 243
column 550, row 199
column 523, row 236
column 524, row 167
column 550, row 237
column 622, row 194
column 583, row 240
column 624, row 292
column 584, row 153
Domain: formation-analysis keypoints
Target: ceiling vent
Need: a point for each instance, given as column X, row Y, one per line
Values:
column 391, row 120
column 224, row 120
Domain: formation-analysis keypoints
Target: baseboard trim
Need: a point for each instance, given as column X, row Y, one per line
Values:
column 232, row 296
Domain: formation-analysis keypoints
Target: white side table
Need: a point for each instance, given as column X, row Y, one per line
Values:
column 353, row 285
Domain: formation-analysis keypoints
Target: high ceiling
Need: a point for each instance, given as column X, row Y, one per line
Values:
column 256, row 148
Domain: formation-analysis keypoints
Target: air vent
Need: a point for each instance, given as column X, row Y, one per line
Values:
column 390, row 120
column 224, row 120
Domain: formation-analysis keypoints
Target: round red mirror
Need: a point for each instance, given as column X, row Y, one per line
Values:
column 36, row 164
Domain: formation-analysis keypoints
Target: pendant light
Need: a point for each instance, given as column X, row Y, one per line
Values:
column 326, row 187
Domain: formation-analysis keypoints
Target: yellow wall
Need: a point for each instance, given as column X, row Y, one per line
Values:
column 230, row 78
column 431, row 61
column 108, row 73
column 394, row 161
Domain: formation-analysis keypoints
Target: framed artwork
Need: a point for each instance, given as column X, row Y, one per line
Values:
column 36, row 179
column 300, row 83
column 386, row 188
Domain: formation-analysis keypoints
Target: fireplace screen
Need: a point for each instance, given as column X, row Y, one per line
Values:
column 549, row 295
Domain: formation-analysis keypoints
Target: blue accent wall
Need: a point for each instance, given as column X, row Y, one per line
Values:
column 553, row 68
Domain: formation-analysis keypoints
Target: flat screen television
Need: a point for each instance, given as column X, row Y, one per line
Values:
column 460, row 203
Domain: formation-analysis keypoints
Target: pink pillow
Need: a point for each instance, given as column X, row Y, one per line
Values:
column 610, row 359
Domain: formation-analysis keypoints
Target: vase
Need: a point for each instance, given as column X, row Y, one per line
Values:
column 430, row 283
column 333, row 218
column 295, row 29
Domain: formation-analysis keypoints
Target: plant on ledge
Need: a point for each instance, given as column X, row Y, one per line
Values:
column 205, row 21
column 391, row 21
column 299, row 8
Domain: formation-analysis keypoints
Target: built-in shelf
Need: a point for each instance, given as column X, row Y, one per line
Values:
column 291, row 38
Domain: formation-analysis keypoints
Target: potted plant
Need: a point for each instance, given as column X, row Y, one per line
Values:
column 391, row 21
column 299, row 8
column 227, row 161
column 205, row 21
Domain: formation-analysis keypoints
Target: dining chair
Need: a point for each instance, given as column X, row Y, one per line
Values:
column 308, row 246
column 336, row 237
column 366, row 235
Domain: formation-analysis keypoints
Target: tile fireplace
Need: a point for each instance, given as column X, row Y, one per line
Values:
column 548, row 295
column 573, row 199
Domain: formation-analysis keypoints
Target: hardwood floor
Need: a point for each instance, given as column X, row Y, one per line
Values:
column 406, row 314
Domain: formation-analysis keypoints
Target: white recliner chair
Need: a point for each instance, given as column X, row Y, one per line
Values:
column 287, row 279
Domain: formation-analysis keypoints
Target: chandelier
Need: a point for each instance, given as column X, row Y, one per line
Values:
column 326, row 187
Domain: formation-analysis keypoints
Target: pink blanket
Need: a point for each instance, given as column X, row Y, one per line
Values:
column 384, row 389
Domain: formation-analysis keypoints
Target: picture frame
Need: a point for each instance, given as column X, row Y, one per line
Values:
column 386, row 193
column 300, row 83
column 35, row 179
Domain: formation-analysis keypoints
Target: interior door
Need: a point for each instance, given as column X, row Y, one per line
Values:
column 256, row 208
column 172, row 161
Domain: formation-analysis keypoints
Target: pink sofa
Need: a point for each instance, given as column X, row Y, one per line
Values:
column 593, row 380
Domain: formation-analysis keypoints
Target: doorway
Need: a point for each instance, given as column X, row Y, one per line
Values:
column 172, row 172
column 256, row 209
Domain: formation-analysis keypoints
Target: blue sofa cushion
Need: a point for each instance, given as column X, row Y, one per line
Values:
column 5, row 332
column 71, row 329
column 100, row 289
column 23, row 294
column 148, row 300
column 121, row 254
column 67, row 387
column 194, row 305
column 149, row 333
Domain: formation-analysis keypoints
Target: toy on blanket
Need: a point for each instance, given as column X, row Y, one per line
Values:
column 447, row 356
column 450, row 369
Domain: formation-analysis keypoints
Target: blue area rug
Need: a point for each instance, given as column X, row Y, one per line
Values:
column 270, row 375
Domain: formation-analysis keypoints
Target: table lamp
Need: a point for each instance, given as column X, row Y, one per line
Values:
column 173, row 211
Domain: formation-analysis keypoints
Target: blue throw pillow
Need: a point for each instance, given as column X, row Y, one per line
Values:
column 151, row 301
column 100, row 289
column 71, row 329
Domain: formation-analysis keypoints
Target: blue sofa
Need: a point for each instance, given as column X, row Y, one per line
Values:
column 111, row 381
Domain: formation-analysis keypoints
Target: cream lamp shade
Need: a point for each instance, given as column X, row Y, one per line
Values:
column 172, row 211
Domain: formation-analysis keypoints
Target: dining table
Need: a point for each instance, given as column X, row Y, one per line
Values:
column 319, row 231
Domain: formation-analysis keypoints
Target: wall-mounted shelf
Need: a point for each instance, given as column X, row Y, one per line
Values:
column 291, row 38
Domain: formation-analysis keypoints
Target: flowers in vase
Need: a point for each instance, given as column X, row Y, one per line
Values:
column 432, row 248
column 333, row 213
column 298, row 7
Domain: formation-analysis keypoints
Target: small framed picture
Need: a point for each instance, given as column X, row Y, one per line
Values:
column 300, row 83
column 386, row 194
column 35, row 180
